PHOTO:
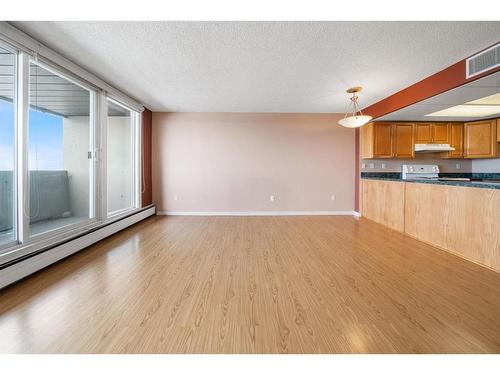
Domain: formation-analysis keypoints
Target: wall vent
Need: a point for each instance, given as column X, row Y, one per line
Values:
column 483, row 61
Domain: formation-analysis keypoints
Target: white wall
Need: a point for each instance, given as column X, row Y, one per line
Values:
column 486, row 166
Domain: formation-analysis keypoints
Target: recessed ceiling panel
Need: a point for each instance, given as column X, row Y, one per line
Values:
column 475, row 100
column 472, row 111
column 488, row 100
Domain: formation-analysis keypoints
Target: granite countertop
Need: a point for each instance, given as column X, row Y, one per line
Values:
column 484, row 184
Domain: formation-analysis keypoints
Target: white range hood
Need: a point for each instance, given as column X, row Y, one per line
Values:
column 433, row 147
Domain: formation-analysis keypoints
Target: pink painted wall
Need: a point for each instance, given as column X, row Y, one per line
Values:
column 219, row 162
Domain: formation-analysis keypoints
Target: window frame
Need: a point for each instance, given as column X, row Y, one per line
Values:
column 15, row 104
column 136, row 161
column 27, row 236
column 26, row 49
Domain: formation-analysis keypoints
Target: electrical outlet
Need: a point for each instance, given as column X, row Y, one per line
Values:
column 457, row 166
column 363, row 165
column 272, row 198
column 332, row 197
column 382, row 165
column 372, row 165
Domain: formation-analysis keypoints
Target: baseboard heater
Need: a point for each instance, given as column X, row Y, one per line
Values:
column 18, row 269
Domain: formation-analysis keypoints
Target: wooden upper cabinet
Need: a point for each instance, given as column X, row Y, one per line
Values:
column 431, row 132
column 423, row 132
column 471, row 140
column 440, row 133
column 382, row 140
column 366, row 141
column 404, row 142
column 376, row 140
column 456, row 140
column 480, row 139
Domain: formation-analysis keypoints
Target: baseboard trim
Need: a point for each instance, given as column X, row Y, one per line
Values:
column 257, row 213
column 26, row 267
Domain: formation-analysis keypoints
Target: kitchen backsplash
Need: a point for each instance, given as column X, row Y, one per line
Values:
column 486, row 165
column 394, row 165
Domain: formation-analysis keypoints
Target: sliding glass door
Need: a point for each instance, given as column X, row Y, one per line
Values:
column 7, row 147
column 69, row 154
column 60, row 129
column 121, row 156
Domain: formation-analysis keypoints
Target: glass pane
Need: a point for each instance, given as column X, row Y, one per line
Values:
column 120, row 154
column 7, row 149
column 59, row 141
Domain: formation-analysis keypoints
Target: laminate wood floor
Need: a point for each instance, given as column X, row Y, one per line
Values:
column 255, row 285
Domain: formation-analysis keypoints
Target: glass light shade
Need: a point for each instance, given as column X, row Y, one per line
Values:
column 355, row 121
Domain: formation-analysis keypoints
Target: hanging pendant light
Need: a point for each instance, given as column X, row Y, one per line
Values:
column 356, row 118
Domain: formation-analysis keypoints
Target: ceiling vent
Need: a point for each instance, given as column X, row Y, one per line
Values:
column 483, row 61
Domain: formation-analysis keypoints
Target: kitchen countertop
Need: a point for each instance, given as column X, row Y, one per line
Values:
column 485, row 184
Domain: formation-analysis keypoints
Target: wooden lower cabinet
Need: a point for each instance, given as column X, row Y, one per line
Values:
column 425, row 213
column 383, row 202
column 462, row 220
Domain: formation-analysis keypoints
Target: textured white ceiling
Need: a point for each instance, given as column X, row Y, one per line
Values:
column 262, row 66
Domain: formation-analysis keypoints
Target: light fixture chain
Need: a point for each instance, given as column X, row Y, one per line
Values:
column 356, row 117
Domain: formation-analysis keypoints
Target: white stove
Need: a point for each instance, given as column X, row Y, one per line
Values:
column 420, row 171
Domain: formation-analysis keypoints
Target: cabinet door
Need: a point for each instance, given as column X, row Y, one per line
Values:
column 382, row 140
column 404, row 145
column 366, row 141
column 456, row 139
column 498, row 130
column 440, row 133
column 423, row 132
column 480, row 139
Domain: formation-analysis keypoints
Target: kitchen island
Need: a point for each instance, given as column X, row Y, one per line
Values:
column 458, row 216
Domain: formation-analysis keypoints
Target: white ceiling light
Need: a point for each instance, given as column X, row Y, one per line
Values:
column 356, row 118
column 482, row 107
column 466, row 110
column 487, row 100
